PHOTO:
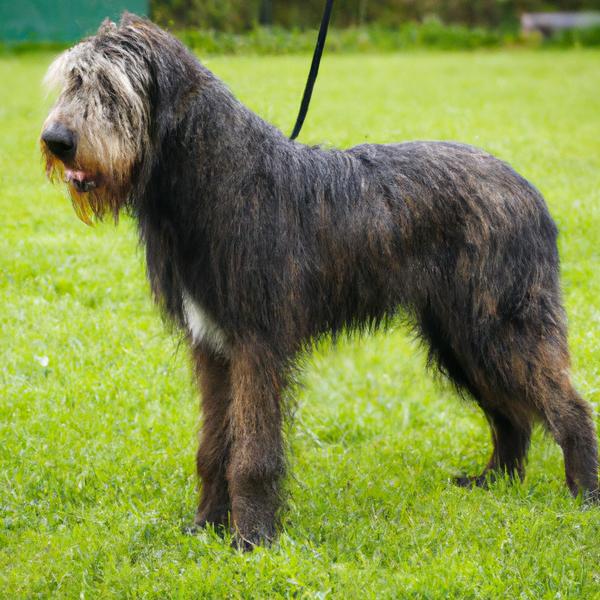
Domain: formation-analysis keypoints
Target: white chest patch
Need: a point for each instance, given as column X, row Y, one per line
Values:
column 202, row 327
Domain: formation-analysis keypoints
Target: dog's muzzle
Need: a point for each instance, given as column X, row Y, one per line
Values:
column 60, row 141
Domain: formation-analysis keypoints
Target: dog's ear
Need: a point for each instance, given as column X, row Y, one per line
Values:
column 107, row 26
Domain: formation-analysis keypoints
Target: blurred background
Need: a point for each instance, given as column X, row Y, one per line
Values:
column 266, row 26
column 98, row 417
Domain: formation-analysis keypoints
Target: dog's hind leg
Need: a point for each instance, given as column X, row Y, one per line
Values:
column 532, row 369
column 533, row 363
column 257, row 460
column 510, row 424
column 569, row 418
column 511, row 439
column 213, row 373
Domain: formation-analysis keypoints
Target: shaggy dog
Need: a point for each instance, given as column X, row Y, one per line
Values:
column 257, row 245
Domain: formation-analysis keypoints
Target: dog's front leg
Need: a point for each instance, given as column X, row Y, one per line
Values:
column 256, row 461
column 213, row 373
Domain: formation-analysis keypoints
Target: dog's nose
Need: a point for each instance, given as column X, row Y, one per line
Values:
column 60, row 140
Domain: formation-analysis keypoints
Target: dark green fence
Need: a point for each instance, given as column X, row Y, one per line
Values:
column 59, row 20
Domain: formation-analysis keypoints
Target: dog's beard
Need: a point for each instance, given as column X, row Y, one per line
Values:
column 88, row 206
column 92, row 197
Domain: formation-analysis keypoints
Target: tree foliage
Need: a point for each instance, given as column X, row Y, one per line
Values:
column 241, row 15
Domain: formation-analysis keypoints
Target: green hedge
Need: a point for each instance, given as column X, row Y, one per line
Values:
column 412, row 36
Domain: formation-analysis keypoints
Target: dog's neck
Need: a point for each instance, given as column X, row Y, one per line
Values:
column 202, row 154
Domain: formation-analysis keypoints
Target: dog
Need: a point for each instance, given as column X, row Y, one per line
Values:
column 257, row 245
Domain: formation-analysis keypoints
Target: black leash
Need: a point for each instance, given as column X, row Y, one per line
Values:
column 314, row 69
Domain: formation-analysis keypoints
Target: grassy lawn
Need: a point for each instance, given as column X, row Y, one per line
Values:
column 98, row 417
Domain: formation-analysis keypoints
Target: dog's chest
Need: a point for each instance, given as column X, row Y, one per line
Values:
column 202, row 327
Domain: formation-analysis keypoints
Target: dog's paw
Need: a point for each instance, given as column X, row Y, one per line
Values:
column 247, row 539
column 472, row 481
column 217, row 520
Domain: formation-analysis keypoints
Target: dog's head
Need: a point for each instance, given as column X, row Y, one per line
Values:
column 96, row 133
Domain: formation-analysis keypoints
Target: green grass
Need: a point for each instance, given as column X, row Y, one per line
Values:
column 97, row 447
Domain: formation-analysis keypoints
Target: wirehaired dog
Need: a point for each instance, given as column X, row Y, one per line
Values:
column 256, row 245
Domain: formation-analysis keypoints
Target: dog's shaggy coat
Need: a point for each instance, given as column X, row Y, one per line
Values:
column 256, row 245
